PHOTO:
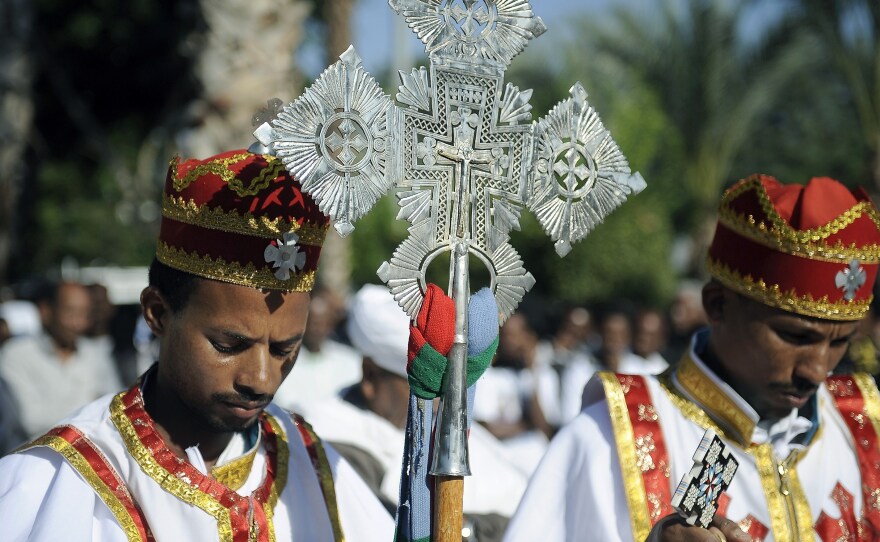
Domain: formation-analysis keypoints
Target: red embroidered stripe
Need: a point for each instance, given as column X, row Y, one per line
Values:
column 851, row 402
column 101, row 467
column 322, row 471
column 651, row 453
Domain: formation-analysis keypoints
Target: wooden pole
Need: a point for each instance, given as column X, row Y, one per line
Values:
column 448, row 497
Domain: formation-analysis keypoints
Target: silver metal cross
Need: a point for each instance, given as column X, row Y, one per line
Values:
column 465, row 157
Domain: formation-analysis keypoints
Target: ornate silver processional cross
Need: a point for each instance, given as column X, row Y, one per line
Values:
column 461, row 148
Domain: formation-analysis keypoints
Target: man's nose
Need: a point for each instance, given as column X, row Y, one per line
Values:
column 255, row 373
column 813, row 365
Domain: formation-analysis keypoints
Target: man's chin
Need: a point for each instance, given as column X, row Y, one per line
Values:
column 232, row 425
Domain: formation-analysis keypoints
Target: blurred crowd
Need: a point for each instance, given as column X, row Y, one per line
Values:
column 65, row 343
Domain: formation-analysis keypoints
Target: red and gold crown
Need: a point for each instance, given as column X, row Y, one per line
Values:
column 813, row 250
column 240, row 217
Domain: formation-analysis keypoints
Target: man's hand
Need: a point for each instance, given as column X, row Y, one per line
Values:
column 673, row 528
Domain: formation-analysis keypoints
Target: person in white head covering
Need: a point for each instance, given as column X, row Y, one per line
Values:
column 366, row 422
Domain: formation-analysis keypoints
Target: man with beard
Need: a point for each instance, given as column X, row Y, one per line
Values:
column 194, row 450
column 793, row 269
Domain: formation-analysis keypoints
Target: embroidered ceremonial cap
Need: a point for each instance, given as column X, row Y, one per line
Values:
column 240, row 217
column 810, row 249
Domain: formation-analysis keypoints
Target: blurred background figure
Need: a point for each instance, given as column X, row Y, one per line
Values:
column 649, row 339
column 862, row 354
column 507, row 402
column 324, row 365
column 12, row 434
column 19, row 318
column 53, row 373
column 103, row 311
column 572, row 365
column 686, row 315
column 615, row 352
column 365, row 422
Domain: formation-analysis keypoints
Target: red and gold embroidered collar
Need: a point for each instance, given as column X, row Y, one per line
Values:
column 239, row 519
column 718, row 400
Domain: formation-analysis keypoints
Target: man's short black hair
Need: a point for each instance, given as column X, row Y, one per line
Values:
column 174, row 285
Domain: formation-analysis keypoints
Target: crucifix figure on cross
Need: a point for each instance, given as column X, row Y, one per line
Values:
column 465, row 157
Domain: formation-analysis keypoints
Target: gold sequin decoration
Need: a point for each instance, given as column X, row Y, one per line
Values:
column 759, row 232
column 842, row 499
column 220, row 167
column 776, row 506
column 177, row 487
column 790, row 301
column 235, row 473
column 874, row 499
column 634, row 488
column 644, row 447
column 871, row 396
column 690, row 410
column 82, row 466
column 654, row 504
column 713, row 399
column 232, row 272
column 647, row 413
column 841, row 388
column 859, row 418
column 216, row 218
column 785, row 231
column 260, row 182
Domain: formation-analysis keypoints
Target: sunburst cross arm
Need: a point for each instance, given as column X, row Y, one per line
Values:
column 334, row 140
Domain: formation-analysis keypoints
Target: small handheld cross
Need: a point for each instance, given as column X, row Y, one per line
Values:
column 465, row 157
column 696, row 497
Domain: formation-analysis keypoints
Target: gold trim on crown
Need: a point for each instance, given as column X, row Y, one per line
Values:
column 221, row 168
column 748, row 227
column 216, row 218
column 232, row 272
column 771, row 294
column 785, row 230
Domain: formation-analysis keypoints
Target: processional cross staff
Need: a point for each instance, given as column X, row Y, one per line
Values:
column 465, row 157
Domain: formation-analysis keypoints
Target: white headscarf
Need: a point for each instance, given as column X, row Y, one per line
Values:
column 379, row 328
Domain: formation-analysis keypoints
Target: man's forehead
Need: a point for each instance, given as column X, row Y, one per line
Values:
column 217, row 292
column 756, row 309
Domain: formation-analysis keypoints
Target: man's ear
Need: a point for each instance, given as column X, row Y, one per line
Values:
column 155, row 309
column 44, row 309
column 368, row 379
column 714, row 299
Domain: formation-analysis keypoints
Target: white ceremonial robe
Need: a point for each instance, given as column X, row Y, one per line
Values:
column 583, row 490
column 495, row 485
column 44, row 498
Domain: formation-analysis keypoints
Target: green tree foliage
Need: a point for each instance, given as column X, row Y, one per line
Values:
column 713, row 88
column 628, row 255
column 849, row 33
column 110, row 77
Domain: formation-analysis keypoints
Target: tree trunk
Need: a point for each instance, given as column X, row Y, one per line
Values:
column 16, row 114
column 246, row 60
column 335, row 269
